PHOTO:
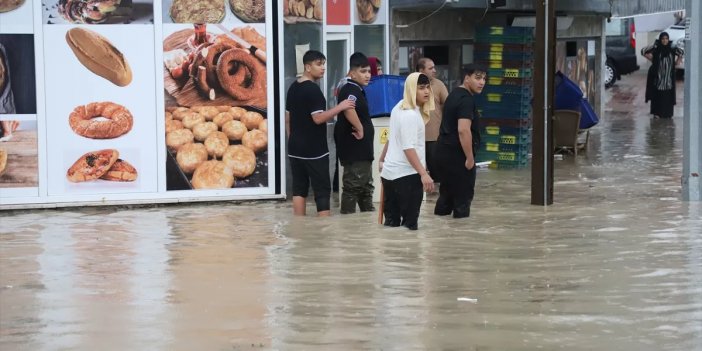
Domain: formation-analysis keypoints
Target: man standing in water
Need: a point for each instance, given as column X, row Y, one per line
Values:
column 459, row 139
column 306, row 125
column 427, row 67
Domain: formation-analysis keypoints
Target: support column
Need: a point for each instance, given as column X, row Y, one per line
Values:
column 542, row 108
column 692, row 146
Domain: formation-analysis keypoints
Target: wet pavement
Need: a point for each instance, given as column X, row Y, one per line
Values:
column 614, row 264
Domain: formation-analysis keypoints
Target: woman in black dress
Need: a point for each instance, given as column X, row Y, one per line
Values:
column 660, row 84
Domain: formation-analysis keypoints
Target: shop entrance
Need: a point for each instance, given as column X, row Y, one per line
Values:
column 338, row 52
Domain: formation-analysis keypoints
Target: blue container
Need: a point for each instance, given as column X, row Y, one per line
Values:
column 383, row 93
column 567, row 94
column 570, row 97
column 588, row 117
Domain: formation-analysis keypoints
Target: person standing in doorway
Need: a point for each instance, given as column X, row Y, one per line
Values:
column 427, row 67
column 376, row 66
column 459, row 138
column 660, row 83
column 404, row 174
column 306, row 126
column 353, row 134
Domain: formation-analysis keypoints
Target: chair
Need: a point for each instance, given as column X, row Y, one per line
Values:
column 566, row 125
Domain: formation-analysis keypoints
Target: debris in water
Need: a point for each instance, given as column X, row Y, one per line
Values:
column 467, row 299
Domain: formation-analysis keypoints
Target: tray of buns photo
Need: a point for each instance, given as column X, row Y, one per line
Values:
column 216, row 147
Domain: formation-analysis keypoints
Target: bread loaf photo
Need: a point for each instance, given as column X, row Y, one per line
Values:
column 98, row 55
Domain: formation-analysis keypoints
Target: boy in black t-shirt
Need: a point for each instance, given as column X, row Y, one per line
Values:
column 306, row 125
column 459, row 138
column 353, row 135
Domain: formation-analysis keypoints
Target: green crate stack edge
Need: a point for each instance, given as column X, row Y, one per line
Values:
column 505, row 104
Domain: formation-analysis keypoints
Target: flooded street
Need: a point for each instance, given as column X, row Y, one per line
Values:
column 614, row 264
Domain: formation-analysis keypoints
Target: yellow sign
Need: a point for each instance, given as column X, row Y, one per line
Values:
column 384, row 133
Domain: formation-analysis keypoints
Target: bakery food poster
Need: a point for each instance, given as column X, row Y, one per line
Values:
column 18, row 156
column 102, row 135
column 107, row 103
column 303, row 11
column 371, row 11
column 16, row 17
column 214, row 11
column 98, row 11
column 216, row 103
column 19, row 170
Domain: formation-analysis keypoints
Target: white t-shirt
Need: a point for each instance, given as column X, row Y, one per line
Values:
column 406, row 132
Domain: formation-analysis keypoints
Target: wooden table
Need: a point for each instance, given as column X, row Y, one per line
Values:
column 22, row 169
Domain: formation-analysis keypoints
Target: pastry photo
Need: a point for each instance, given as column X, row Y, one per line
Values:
column 216, row 147
column 9, row 5
column 99, row 56
column 101, row 120
column 98, row 11
column 249, row 11
column 197, row 11
column 367, row 10
column 101, row 165
column 299, row 11
column 217, row 67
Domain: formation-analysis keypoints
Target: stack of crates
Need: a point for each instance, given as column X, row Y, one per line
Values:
column 505, row 104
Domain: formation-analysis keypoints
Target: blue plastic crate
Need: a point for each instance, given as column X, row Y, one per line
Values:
column 505, row 64
column 503, row 156
column 497, row 31
column 503, row 56
column 496, row 39
column 383, row 93
column 498, row 47
column 525, row 90
column 498, row 126
column 501, row 147
column 506, row 112
column 509, row 72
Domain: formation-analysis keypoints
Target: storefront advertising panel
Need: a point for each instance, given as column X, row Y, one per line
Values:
column 122, row 105
column 19, row 160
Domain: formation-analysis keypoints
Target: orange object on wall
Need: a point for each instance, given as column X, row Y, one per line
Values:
column 338, row 12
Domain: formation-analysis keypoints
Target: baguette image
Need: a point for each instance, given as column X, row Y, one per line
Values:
column 98, row 55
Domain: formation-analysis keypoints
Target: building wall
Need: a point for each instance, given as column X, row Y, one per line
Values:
column 585, row 33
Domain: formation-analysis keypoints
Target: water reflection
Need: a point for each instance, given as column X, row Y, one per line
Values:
column 660, row 136
column 614, row 264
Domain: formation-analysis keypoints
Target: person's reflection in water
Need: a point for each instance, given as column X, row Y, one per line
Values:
column 660, row 137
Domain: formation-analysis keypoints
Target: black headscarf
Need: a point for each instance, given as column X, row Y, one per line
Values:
column 664, row 49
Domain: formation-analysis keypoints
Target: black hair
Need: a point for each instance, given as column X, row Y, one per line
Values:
column 471, row 68
column 313, row 55
column 422, row 79
column 358, row 60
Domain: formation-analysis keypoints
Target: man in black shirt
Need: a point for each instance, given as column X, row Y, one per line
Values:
column 459, row 139
column 306, row 125
column 353, row 135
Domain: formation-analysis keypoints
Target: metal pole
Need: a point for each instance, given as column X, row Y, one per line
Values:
column 542, row 141
column 692, row 124
column 546, row 91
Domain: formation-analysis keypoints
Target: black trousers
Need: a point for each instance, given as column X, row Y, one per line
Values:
column 314, row 171
column 431, row 163
column 457, row 183
column 402, row 201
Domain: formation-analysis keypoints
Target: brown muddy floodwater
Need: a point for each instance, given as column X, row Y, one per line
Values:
column 614, row 264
